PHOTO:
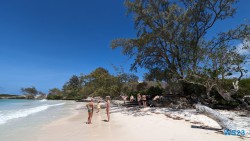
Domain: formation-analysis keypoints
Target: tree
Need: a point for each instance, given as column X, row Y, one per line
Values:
column 141, row 86
column 74, row 82
column 154, row 91
column 30, row 92
column 55, row 94
column 172, row 40
column 99, row 83
column 41, row 95
column 72, row 87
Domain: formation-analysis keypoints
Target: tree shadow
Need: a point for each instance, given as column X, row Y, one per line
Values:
column 135, row 111
column 207, row 128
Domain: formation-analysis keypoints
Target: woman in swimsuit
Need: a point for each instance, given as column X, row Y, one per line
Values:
column 108, row 107
column 144, row 101
column 90, row 107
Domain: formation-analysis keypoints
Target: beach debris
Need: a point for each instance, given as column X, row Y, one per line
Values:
column 190, row 115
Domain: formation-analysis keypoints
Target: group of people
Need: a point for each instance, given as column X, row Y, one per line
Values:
column 90, row 107
column 141, row 99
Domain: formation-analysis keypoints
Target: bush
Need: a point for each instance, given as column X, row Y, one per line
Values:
column 54, row 97
column 244, row 87
column 154, row 91
column 193, row 89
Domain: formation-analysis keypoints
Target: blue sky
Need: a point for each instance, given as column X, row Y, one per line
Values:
column 44, row 42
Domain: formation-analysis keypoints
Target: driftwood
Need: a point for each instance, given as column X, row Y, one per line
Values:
column 223, row 121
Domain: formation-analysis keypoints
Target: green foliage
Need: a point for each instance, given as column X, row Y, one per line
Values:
column 98, row 83
column 141, row 86
column 71, row 88
column 153, row 91
column 55, row 94
column 7, row 95
column 54, row 97
column 74, row 83
column 171, row 41
column 11, row 96
column 134, row 93
column 245, row 85
column 244, row 88
column 30, row 92
column 200, row 91
column 171, row 36
column 193, row 89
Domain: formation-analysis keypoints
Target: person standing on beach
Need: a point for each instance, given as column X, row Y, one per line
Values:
column 108, row 107
column 144, row 101
column 98, row 107
column 131, row 98
column 90, row 107
column 124, row 97
column 139, row 99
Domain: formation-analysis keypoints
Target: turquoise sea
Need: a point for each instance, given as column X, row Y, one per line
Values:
column 20, row 119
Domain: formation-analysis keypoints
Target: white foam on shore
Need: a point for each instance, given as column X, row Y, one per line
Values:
column 56, row 104
column 43, row 100
column 24, row 112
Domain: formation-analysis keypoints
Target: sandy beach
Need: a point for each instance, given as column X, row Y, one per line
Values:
column 125, row 126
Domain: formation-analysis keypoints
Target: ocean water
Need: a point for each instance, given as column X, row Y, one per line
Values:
column 20, row 119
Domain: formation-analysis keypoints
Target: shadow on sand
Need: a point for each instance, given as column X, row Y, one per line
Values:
column 206, row 128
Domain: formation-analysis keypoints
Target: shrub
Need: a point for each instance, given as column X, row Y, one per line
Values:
column 153, row 91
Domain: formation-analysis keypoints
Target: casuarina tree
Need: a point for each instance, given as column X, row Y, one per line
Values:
column 172, row 40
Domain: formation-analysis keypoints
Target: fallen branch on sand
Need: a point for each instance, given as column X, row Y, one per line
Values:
column 222, row 120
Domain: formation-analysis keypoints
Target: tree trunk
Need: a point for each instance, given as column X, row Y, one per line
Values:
column 246, row 101
column 226, row 95
column 223, row 121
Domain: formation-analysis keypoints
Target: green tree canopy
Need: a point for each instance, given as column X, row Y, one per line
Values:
column 30, row 92
column 54, row 94
column 172, row 41
column 72, row 88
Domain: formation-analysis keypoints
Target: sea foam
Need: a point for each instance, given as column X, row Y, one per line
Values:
column 43, row 100
column 4, row 117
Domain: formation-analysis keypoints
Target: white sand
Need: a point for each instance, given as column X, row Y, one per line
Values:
column 126, row 126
